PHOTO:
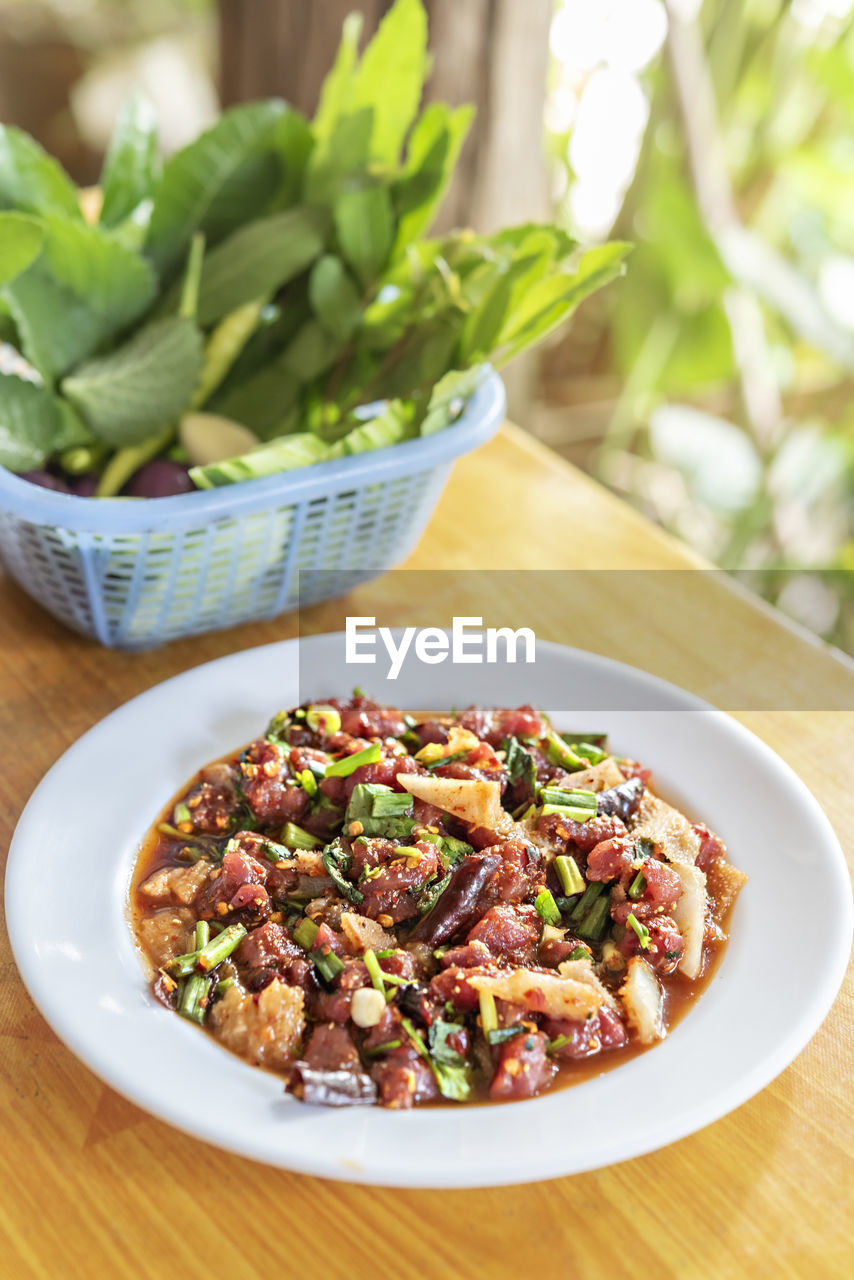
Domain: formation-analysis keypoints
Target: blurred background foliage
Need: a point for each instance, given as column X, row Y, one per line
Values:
column 712, row 387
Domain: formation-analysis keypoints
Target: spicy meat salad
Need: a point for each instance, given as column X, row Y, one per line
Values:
column 398, row 910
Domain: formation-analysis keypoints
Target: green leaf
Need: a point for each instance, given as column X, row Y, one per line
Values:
column 425, row 356
column 334, row 297
column 30, row 180
column 257, row 259
column 365, row 227
column 434, row 148
column 216, row 183
column 31, row 423
column 346, row 156
column 143, row 385
column 391, row 76
column 293, row 142
column 83, row 289
column 312, row 352
column 21, row 240
column 548, row 303
column 132, row 166
column 336, row 91
column 263, row 401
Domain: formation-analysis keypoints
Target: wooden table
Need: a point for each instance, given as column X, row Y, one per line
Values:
column 92, row 1186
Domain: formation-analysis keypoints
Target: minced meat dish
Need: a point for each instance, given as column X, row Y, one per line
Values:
column 399, row 910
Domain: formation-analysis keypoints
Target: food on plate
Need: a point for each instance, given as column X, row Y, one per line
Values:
column 402, row 909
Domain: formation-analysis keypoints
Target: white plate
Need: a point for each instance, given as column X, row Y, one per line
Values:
column 74, row 850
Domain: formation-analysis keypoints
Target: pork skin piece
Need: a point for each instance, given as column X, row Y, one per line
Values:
column 176, row 884
column 666, row 827
column 689, row 916
column 167, row 933
column 559, row 997
column 266, row 1028
column 643, row 1001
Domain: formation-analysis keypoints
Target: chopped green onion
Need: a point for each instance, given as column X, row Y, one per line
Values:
column 382, row 1048
column 221, row 947
column 384, row 955
column 571, row 879
column 554, row 1046
column 223, row 985
column 182, row 813
column 416, row 1038
column 567, row 796
column 586, row 749
column 600, row 740
column 349, row 764
column 297, row 838
column 547, row 907
column 441, row 761
column 306, row 932
column 203, row 934
column 636, row 888
column 307, row 781
column 359, row 692
column 395, row 979
column 277, row 726
column 570, row 813
column 580, row 953
column 593, row 925
column 327, row 965
column 193, row 991
column 323, row 719
column 532, row 808
column 505, row 1033
column 585, row 902
column 561, row 754
column 375, row 973
column 488, row 1012
column 166, row 829
column 640, row 929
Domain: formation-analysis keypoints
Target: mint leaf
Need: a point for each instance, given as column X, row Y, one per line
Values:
column 141, row 386
column 31, row 423
column 132, row 165
column 21, row 240
column 365, row 227
column 221, row 180
column 257, row 259
column 334, row 297
column 83, row 290
column 32, row 181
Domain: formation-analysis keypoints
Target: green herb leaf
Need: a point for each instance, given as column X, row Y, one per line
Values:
column 520, row 764
column 337, row 863
column 434, row 147
column 132, row 165
column 257, row 259
column 82, row 290
column 142, row 385
column 334, row 297
column 365, row 227
column 31, row 181
column 440, row 1049
column 30, row 423
column 391, row 77
column 21, row 240
column 217, row 183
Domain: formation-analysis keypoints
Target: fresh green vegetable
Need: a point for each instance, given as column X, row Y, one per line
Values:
column 275, row 271
column 488, row 1012
column 593, row 925
column 328, row 966
column 640, row 929
column 337, row 862
column 580, row 953
column 571, row 879
column 192, row 998
column 637, row 887
column 593, row 892
column 547, row 908
column 323, row 719
column 375, row 973
column 520, row 764
column 296, row 838
column 560, row 753
column 305, row 933
column 349, row 764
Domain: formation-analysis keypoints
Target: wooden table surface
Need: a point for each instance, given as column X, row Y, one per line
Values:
column 93, row 1186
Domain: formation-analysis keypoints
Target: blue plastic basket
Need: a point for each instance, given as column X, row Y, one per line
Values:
column 136, row 574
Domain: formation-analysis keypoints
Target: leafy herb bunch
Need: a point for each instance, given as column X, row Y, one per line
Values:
column 274, row 272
